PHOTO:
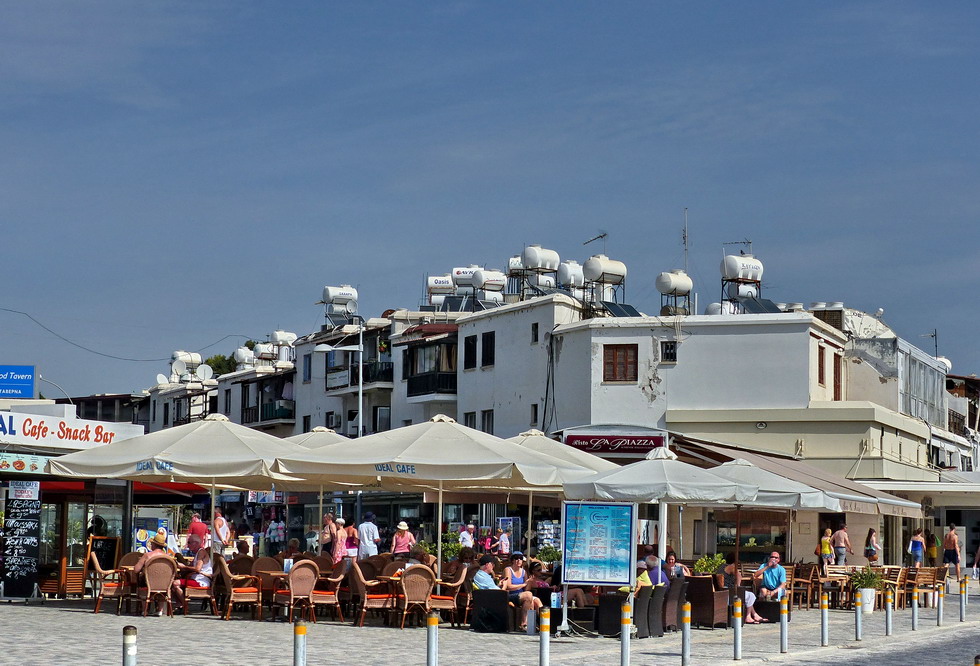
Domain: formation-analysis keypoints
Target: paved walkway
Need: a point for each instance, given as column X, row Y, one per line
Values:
column 67, row 632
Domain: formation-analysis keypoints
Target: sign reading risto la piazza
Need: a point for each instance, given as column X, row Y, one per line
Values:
column 61, row 433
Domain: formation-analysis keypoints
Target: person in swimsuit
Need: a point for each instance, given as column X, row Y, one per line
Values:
column 951, row 549
column 515, row 583
column 917, row 547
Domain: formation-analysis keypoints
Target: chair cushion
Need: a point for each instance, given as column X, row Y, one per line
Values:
column 442, row 596
column 111, row 584
column 246, row 590
column 379, row 596
column 325, row 593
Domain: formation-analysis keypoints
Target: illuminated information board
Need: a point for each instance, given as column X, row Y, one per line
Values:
column 598, row 543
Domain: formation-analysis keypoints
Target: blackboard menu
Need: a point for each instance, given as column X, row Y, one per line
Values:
column 22, row 549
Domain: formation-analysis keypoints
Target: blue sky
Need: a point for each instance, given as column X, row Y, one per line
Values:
column 171, row 174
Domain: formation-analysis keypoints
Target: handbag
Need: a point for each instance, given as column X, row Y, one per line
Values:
column 816, row 551
column 908, row 549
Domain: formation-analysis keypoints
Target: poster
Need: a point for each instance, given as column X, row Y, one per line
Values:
column 598, row 543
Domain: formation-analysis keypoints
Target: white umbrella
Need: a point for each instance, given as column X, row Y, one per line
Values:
column 319, row 436
column 660, row 478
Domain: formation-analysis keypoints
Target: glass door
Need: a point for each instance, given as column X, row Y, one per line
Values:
column 49, row 562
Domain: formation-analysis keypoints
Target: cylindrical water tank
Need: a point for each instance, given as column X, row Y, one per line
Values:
column 515, row 264
column 463, row 275
column 600, row 268
column 439, row 284
column 536, row 257
column 794, row 307
column 741, row 267
column 340, row 295
column 543, row 280
column 489, row 280
column 742, row 290
column 945, row 361
column 265, row 350
column 835, row 305
column 674, row 283
column 244, row 355
column 781, row 306
column 492, row 296
column 190, row 359
column 437, row 299
column 570, row 274
column 727, row 307
column 283, row 338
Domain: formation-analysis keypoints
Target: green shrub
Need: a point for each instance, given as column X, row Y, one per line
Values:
column 709, row 564
column 549, row 554
column 867, row 578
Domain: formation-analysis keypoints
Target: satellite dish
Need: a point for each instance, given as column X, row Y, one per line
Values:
column 179, row 367
column 163, row 379
column 350, row 307
column 204, row 372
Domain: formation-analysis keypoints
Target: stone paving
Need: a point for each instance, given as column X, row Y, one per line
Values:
column 67, row 632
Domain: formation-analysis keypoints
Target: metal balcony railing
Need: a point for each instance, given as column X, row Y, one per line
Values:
column 279, row 410
column 432, row 382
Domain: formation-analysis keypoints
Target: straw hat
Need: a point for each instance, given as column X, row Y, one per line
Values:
column 402, row 525
column 159, row 540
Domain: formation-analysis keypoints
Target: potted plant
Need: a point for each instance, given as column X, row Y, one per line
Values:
column 549, row 554
column 708, row 564
column 867, row 582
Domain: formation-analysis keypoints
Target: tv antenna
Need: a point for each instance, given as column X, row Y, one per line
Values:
column 741, row 242
column 684, row 239
column 602, row 236
column 935, row 338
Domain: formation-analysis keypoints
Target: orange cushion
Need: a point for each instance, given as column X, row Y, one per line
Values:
column 442, row 596
column 246, row 590
column 111, row 584
column 379, row 596
column 324, row 592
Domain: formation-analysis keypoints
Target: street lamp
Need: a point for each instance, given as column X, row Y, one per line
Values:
column 40, row 378
column 359, row 348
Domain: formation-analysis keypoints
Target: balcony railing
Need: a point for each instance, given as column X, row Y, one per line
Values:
column 432, row 382
column 378, row 371
column 279, row 410
column 250, row 414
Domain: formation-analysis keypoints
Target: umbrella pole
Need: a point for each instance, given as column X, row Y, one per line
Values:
column 738, row 530
column 439, row 535
column 530, row 502
column 662, row 536
column 213, row 532
column 319, row 539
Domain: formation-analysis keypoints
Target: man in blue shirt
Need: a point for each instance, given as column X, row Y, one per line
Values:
column 483, row 580
column 772, row 578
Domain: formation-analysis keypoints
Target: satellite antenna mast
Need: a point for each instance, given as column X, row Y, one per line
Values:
column 935, row 337
column 684, row 239
column 741, row 242
column 602, row 235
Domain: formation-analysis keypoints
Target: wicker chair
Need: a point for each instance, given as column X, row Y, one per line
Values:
column 641, row 611
column 378, row 563
column 416, row 587
column 447, row 598
column 673, row 602
column 709, row 607
column 369, row 569
column 300, row 584
column 466, row 593
column 202, row 593
column 159, row 574
column 111, row 584
column 239, row 588
column 326, row 591
column 242, row 566
column 130, row 559
column 267, row 582
column 324, row 562
column 393, row 567
column 361, row 590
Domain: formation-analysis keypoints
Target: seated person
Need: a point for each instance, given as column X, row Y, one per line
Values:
column 732, row 577
column 653, row 566
column 674, row 568
column 578, row 596
column 515, row 582
column 416, row 556
column 243, row 550
column 540, row 579
column 292, row 550
column 642, row 577
column 483, row 580
column 466, row 557
column 157, row 548
column 771, row 577
column 196, row 574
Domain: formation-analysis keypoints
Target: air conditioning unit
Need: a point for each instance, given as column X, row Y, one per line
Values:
column 333, row 421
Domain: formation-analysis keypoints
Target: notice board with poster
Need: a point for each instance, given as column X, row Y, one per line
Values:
column 598, row 543
column 21, row 540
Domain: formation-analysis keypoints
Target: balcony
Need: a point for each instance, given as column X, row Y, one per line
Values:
column 250, row 415
column 432, row 383
column 343, row 380
column 279, row 410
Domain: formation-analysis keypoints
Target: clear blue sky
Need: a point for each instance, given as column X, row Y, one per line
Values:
column 174, row 173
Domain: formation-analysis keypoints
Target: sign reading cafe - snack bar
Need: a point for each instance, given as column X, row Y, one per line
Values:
column 61, row 433
column 613, row 443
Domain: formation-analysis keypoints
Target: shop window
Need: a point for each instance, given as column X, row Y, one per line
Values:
column 619, row 363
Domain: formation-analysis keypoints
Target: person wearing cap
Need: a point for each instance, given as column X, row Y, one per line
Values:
column 483, row 580
column 367, row 533
column 157, row 548
column 466, row 536
column 516, row 582
column 402, row 541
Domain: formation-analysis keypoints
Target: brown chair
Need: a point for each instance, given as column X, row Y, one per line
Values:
column 327, row 590
column 364, row 591
column 416, row 588
column 378, row 563
column 158, row 574
column 369, row 570
column 203, row 593
column 466, row 593
column 790, row 576
column 299, row 589
column 129, row 559
column 393, row 567
column 894, row 579
column 324, row 562
column 447, row 598
column 267, row 582
column 924, row 579
column 239, row 588
column 111, row 584
column 805, row 584
column 709, row 607
column 241, row 566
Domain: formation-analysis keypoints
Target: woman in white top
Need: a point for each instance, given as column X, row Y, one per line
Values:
column 197, row 574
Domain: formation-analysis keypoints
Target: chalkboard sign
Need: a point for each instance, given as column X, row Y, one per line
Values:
column 106, row 550
column 22, row 547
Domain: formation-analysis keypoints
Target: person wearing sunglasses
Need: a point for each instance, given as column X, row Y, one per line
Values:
column 771, row 577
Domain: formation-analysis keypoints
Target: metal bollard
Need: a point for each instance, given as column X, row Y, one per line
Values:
column 889, row 601
column 966, row 587
column 939, row 607
column 824, row 620
column 544, row 625
column 915, row 609
column 299, row 643
column 129, row 646
column 432, row 639
column 686, row 634
column 624, row 635
column 784, row 625
column 858, row 612
column 964, row 592
column 737, row 626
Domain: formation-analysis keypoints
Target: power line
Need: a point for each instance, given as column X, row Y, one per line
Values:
column 117, row 358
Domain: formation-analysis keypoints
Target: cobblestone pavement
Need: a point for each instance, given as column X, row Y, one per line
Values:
column 67, row 632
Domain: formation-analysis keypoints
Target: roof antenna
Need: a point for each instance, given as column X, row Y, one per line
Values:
column 602, row 235
column 684, row 239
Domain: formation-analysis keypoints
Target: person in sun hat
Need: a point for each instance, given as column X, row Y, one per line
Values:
column 402, row 541
column 157, row 548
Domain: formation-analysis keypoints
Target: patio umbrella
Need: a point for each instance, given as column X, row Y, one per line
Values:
column 660, row 478
column 440, row 453
column 314, row 439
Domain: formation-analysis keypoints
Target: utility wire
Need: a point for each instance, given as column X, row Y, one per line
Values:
column 118, row 358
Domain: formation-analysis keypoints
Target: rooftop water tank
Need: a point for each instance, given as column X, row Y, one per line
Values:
column 437, row 299
column 463, row 275
column 283, row 338
column 726, row 307
column 674, row 283
column 491, row 296
column 741, row 267
column 570, row 274
column 537, row 258
column 544, row 281
column 742, row 290
column 489, row 280
column 191, row 359
column 440, row 284
column 265, row 350
column 244, row 355
column 515, row 264
column 600, row 268
column 340, row 295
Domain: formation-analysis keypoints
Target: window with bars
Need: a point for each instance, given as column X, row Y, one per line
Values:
column 668, row 351
column 619, row 363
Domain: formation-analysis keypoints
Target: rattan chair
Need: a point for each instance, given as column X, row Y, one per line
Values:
column 130, row 559
column 241, row 566
column 393, row 568
column 266, row 582
column 238, row 588
column 111, row 584
column 324, row 562
column 447, row 598
column 202, row 593
column 326, row 591
column 363, row 594
column 159, row 574
column 300, row 584
column 416, row 586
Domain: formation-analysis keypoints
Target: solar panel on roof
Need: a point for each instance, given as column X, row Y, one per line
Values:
column 620, row 309
column 338, row 319
column 752, row 305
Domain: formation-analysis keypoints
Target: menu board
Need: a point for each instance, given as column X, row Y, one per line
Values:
column 22, row 539
column 598, row 543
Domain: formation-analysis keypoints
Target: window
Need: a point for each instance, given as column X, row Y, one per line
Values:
column 153, row 410
column 838, row 386
column 534, row 413
column 668, row 351
column 213, row 404
column 469, row 420
column 821, row 363
column 619, row 363
column 227, row 402
column 486, row 421
column 469, row 352
column 534, row 332
column 306, row 424
column 307, row 368
column 406, row 364
column 332, row 420
column 487, row 349
column 382, row 419
column 166, row 414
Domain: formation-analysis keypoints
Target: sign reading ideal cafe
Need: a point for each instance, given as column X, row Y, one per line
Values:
column 61, row 433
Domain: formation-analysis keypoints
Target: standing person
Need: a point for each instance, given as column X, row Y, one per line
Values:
column 951, row 549
column 503, row 544
column 368, row 536
column 772, row 578
column 328, row 535
column 402, row 541
column 466, row 537
column 842, row 544
column 871, row 546
column 917, row 547
column 197, row 528
column 932, row 548
column 220, row 533
column 352, row 540
column 826, row 550
column 340, row 542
